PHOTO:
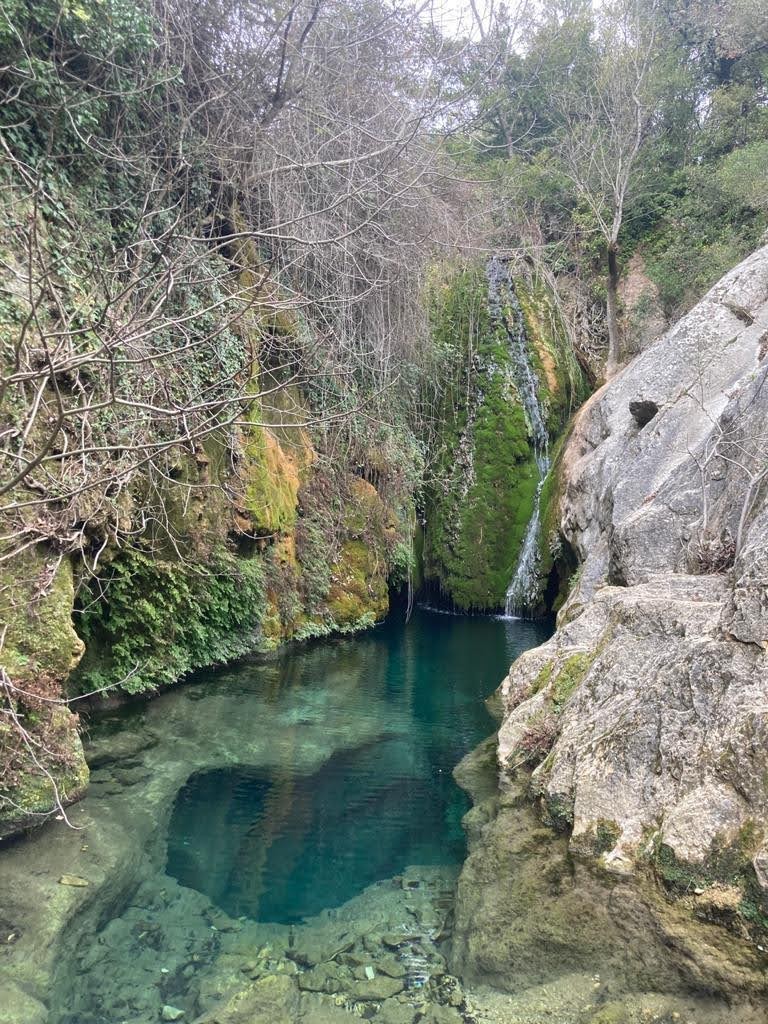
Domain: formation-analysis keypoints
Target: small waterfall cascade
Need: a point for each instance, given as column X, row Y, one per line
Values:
column 504, row 309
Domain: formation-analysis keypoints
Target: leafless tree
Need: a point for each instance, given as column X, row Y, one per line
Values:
column 603, row 128
column 289, row 175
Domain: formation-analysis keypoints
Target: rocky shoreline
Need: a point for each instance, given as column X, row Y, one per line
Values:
column 631, row 826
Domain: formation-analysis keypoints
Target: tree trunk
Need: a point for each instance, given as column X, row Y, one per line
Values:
column 614, row 342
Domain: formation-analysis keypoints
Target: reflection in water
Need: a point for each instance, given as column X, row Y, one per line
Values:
column 277, row 844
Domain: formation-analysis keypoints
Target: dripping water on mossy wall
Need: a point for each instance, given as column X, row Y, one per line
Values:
column 482, row 493
column 507, row 316
column 479, row 500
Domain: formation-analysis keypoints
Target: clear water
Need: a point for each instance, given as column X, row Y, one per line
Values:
column 277, row 843
column 271, row 790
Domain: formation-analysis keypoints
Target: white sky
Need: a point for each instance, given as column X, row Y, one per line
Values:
column 453, row 17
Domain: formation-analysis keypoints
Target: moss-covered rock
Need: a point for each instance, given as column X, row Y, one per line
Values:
column 272, row 484
column 529, row 912
column 557, row 563
column 481, row 499
column 45, row 784
column 562, row 385
column 277, row 455
column 724, row 888
column 41, row 758
column 358, row 586
column 36, row 596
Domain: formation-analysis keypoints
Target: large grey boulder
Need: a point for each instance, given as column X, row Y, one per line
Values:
column 662, row 457
column 639, row 732
column 659, row 726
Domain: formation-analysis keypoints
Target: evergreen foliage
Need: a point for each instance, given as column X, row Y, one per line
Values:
column 150, row 622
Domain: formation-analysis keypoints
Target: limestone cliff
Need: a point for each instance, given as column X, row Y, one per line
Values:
column 638, row 732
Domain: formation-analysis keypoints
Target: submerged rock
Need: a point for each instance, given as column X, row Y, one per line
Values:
column 393, row 1012
column 377, row 989
column 272, row 1000
column 74, row 880
column 323, row 978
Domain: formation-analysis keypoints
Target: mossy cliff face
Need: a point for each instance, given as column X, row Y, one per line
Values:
column 297, row 554
column 42, row 767
column 482, row 494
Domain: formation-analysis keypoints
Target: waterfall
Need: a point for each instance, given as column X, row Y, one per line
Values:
column 505, row 311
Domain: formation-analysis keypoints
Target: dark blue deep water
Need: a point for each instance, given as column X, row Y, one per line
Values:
column 281, row 843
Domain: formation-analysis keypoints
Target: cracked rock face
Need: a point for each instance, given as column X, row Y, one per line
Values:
column 646, row 495
column 640, row 730
column 664, row 739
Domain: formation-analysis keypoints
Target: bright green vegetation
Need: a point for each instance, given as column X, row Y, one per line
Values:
column 36, row 612
column 574, row 668
column 481, row 499
column 161, row 619
column 607, row 834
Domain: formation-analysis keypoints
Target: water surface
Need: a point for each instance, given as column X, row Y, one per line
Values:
column 276, row 843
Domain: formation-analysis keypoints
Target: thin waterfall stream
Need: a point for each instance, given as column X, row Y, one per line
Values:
column 505, row 311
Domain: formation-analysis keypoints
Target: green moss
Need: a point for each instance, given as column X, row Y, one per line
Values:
column 39, row 651
column 358, row 588
column 563, row 386
column 159, row 619
column 473, row 541
column 542, row 678
column 729, row 864
column 557, row 812
column 481, row 500
column 347, row 545
column 36, row 599
column 543, row 727
column 569, row 677
column 278, row 453
column 35, row 795
column 607, row 834
column 271, row 482
column 480, row 503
